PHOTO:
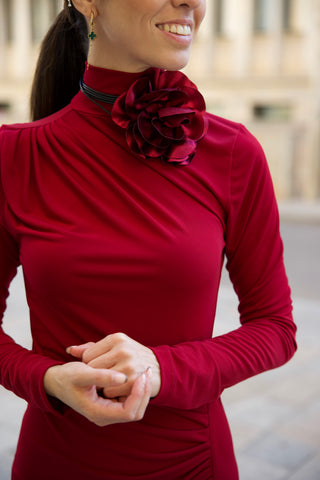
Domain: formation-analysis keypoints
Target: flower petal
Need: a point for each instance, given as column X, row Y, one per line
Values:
column 163, row 114
column 182, row 150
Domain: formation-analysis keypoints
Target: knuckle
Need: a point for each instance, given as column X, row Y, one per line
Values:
column 123, row 352
column 119, row 337
column 86, row 357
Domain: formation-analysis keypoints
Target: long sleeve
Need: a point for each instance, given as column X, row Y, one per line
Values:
column 195, row 373
column 108, row 243
column 21, row 371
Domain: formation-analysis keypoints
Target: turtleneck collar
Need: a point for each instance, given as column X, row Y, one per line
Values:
column 108, row 81
column 161, row 112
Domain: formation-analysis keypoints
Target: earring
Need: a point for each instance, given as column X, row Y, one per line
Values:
column 92, row 36
column 69, row 3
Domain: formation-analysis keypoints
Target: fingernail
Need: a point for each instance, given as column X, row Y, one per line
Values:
column 68, row 349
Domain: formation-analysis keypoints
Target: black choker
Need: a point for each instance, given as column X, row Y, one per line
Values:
column 96, row 96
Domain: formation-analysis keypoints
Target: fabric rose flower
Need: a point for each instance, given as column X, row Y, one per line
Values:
column 163, row 114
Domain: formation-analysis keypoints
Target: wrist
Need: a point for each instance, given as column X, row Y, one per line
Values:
column 156, row 376
column 49, row 380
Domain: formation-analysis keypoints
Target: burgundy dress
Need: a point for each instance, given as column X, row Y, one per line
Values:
column 110, row 242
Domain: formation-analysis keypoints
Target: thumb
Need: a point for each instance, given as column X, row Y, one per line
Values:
column 78, row 350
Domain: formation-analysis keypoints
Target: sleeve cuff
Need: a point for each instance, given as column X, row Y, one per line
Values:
column 166, row 371
column 39, row 397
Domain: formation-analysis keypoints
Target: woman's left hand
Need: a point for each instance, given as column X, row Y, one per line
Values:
column 123, row 354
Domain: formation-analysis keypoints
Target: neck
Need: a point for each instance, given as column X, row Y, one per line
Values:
column 98, row 97
column 103, row 58
column 112, row 82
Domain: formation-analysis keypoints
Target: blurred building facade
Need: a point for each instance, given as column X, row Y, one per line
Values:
column 23, row 23
column 256, row 61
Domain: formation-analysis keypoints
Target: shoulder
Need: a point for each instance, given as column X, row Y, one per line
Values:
column 232, row 134
column 248, row 170
column 20, row 137
column 21, row 143
column 17, row 128
column 234, row 142
column 230, row 158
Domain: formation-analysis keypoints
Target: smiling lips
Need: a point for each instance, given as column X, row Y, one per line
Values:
column 176, row 28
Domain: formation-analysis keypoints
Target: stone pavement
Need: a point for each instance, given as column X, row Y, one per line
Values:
column 274, row 417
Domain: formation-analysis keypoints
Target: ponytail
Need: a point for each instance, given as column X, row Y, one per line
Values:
column 61, row 63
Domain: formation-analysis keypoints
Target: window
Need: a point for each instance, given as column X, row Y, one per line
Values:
column 272, row 113
column 4, row 107
column 7, row 10
column 43, row 13
column 37, row 26
column 287, row 16
column 262, row 15
column 4, row 111
column 219, row 17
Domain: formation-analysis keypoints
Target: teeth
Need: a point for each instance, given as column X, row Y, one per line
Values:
column 176, row 28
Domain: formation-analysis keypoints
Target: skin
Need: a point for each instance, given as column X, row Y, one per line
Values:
column 115, row 377
column 77, row 385
column 133, row 46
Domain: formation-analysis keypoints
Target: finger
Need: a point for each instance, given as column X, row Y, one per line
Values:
column 106, row 411
column 106, row 360
column 122, row 390
column 102, row 411
column 136, row 402
column 98, row 349
column 122, row 399
column 101, row 378
column 78, row 350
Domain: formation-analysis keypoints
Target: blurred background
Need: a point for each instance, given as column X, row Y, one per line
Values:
column 256, row 62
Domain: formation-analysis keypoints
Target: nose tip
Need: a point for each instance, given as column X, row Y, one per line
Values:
column 188, row 3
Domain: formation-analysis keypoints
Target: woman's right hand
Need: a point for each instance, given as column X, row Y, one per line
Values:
column 78, row 385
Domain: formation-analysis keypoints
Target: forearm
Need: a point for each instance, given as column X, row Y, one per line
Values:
column 22, row 372
column 196, row 373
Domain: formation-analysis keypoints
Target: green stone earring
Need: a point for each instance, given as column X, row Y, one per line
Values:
column 92, row 36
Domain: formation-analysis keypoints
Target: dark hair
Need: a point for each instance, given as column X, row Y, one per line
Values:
column 61, row 63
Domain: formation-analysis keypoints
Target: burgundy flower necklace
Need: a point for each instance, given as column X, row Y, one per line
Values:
column 162, row 113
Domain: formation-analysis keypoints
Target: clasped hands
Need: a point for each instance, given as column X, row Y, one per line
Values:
column 112, row 383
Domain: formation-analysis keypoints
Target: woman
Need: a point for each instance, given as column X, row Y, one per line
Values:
column 120, row 207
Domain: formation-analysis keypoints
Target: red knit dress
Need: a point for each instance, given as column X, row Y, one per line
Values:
column 110, row 242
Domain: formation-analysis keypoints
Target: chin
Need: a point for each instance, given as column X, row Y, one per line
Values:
column 175, row 67
column 174, row 63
